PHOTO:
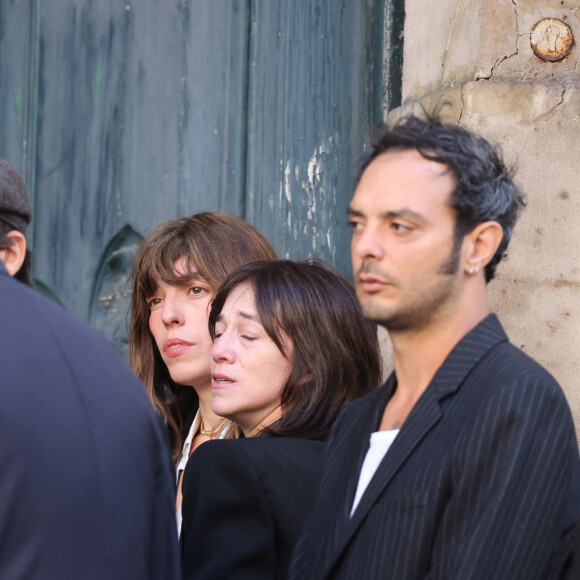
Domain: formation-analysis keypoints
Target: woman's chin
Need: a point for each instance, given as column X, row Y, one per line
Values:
column 199, row 383
column 220, row 412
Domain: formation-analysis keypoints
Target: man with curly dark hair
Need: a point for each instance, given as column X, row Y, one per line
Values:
column 465, row 464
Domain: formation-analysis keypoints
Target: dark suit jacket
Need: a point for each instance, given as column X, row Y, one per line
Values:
column 482, row 481
column 86, row 482
column 571, row 570
column 244, row 503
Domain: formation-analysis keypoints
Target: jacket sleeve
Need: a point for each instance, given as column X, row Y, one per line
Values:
column 515, row 491
column 227, row 529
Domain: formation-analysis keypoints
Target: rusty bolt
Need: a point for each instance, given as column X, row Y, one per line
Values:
column 551, row 39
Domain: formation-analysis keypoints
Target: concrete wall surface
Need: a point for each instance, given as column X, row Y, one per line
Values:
column 490, row 59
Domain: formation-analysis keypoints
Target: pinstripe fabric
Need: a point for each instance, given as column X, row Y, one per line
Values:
column 482, row 482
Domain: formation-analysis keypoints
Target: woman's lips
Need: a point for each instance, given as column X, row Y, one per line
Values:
column 174, row 347
column 219, row 381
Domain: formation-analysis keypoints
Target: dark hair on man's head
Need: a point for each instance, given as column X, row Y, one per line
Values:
column 484, row 190
column 336, row 355
column 211, row 244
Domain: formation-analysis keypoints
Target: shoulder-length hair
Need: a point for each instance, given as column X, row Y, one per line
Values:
column 336, row 355
column 213, row 244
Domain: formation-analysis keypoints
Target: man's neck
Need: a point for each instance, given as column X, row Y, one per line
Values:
column 418, row 354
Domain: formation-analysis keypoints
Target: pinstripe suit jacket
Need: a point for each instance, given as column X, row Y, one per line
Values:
column 482, row 482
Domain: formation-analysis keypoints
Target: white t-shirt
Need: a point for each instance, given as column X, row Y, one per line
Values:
column 380, row 443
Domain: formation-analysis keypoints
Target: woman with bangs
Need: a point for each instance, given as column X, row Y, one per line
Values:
column 291, row 348
column 176, row 271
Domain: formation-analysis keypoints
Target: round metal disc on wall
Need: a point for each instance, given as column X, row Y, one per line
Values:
column 551, row 39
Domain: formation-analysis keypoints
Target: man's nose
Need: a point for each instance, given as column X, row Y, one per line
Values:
column 368, row 245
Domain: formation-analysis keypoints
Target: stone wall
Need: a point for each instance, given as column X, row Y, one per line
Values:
column 491, row 60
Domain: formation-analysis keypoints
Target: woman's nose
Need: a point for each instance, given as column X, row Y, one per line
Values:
column 172, row 314
column 222, row 350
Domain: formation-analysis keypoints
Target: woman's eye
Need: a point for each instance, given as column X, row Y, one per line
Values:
column 248, row 338
column 196, row 290
column 152, row 302
column 354, row 225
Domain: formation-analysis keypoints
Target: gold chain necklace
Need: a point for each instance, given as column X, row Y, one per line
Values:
column 210, row 432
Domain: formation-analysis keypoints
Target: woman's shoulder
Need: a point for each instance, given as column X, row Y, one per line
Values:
column 258, row 453
column 281, row 448
column 260, row 446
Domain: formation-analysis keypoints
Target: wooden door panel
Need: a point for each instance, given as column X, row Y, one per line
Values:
column 121, row 115
column 310, row 109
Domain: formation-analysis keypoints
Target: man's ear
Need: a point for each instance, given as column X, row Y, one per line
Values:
column 484, row 241
column 13, row 251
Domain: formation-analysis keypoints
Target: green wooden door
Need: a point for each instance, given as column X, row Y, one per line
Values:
column 121, row 115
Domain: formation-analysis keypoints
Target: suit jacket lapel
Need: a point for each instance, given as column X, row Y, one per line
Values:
column 424, row 416
column 338, row 484
column 361, row 437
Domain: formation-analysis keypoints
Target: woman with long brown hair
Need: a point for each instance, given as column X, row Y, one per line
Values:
column 176, row 271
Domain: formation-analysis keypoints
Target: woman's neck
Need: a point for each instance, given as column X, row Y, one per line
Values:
column 271, row 417
column 208, row 418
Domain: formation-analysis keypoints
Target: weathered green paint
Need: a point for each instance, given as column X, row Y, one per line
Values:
column 313, row 71
column 98, row 81
column 18, row 106
column 134, row 113
column 19, row 49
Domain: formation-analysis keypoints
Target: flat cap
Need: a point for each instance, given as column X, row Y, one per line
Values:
column 15, row 208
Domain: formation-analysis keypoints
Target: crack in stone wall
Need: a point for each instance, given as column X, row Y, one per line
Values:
column 484, row 75
column 462, row 104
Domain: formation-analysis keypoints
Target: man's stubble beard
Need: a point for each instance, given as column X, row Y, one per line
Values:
column 418, row 315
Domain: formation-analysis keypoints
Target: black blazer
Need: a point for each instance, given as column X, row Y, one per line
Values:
column 482, row 481
column 244, row 503
column 86, row 484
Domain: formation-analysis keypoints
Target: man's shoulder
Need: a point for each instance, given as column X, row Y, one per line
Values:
column 507, row 388
column 73, row 363
column 485, row 358
column 25, row 307
column 512, row 365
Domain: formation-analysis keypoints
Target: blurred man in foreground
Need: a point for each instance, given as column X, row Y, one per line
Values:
column 85, row 477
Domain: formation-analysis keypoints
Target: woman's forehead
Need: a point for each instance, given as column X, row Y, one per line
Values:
column 184, row 271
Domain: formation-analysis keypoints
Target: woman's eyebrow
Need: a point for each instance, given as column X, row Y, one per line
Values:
column 249, row 315
column 242, row 313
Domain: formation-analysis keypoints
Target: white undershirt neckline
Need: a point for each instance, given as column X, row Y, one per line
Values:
column 380, row 443
column 195, row 426
column 187, row 444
